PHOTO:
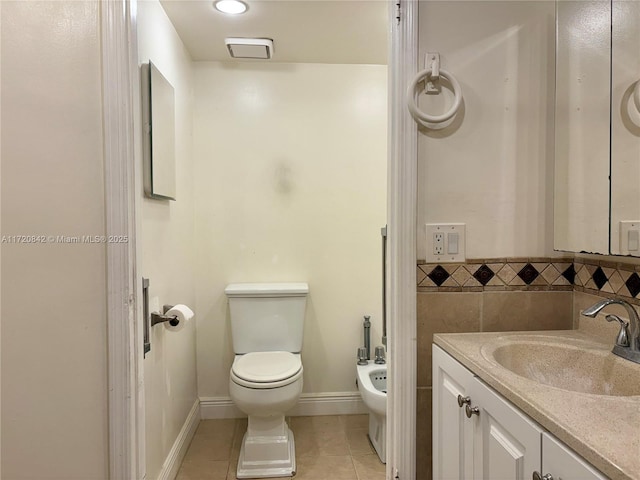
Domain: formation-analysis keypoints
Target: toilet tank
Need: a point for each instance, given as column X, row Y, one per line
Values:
column 267, row 317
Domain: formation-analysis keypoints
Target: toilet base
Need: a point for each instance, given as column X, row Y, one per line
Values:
column 378, row 435
column 267, row 452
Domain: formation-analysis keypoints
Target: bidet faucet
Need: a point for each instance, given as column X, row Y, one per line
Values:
column 367, row 335
column 631, row 351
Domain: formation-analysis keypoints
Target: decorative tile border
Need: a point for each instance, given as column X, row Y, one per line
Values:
column 498, row 274
column 543, row 274
column 607, row 279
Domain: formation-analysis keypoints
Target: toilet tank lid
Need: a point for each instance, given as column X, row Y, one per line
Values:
column 296, row 289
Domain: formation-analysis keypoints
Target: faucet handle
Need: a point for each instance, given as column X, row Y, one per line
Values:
column 622, row 339
column 380, row 355
column 362, row 356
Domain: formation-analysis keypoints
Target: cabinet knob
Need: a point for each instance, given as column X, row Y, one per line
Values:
column 537, row 476
column 462, row 400
column 469, row 410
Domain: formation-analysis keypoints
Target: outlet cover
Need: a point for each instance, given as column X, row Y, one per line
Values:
column 456, row 242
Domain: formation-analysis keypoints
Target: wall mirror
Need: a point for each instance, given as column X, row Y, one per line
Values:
column 159, row 134
column 597, row 127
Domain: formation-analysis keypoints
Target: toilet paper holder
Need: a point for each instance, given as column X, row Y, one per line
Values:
column 153, row 318
column 161, row 318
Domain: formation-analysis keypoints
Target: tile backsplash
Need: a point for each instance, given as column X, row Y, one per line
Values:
column 532, row 274
column 498, row 274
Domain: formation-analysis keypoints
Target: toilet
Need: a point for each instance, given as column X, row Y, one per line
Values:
column 267, row 321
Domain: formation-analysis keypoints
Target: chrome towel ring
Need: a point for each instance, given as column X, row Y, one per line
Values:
column 428, row 74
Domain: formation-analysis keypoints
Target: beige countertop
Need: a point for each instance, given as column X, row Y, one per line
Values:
column 603, row 429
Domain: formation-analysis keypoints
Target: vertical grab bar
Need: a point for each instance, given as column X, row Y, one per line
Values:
column 383, row 232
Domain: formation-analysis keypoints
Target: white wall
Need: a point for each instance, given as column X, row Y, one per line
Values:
column 167, row 246
column 493, row 168
column 54, row 372
column 290, row 185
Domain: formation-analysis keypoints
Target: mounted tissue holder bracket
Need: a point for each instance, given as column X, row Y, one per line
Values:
column 157, row 318
column 154, row 318
column 432, row 84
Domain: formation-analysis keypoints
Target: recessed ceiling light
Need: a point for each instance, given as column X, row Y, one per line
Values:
column 233, row 7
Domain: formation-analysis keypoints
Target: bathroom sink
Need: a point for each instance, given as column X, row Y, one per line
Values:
column 577, row 367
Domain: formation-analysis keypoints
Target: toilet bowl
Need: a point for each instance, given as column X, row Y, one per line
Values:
column 264, row 385
column 265, row 380
column 372, row 385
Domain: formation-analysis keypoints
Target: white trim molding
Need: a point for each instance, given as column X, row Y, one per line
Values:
column 310, row 404
column 124, row 376
column 180, row 446
column 401, row 281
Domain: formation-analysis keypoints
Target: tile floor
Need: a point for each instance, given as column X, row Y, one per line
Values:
column 327, row 447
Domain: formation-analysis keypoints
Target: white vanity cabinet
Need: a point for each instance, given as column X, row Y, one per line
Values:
column 506, row 442
column 561, row 463
column 488, row 438
column 453, row 432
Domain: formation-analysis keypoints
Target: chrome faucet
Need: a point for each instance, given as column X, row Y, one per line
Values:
column 367, row 335
column 628, row 339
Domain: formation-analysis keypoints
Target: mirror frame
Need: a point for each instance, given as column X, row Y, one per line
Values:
column 158, row 118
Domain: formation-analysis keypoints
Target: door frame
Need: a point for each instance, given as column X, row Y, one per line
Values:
column 401, row 214
column 120, row 89
column 123, row 194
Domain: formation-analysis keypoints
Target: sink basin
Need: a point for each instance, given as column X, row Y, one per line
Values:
column 577, row 368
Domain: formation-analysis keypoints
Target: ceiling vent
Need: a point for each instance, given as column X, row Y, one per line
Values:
column 250, row 47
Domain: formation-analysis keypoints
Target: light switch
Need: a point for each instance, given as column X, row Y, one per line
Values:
column 632, row 236
column 452, row 243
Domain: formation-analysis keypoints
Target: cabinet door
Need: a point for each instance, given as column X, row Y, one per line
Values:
column 563, row 464
column 452, row 430
column 506, row 442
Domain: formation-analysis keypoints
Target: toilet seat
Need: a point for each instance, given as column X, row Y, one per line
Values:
column 266, row 369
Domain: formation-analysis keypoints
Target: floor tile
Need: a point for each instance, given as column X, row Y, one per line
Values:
column 224, row 427
column 203, row 470
column 369, row 467
column 326, row 468
column 358, row 440
column 350, row 422
column 209, row 447
column 323, row 422
column 321, row 442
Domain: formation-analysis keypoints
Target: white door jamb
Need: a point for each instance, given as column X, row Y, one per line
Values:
column 125, row 383
column 402, row 188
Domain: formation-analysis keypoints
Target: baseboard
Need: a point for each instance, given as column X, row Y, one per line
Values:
column 179, row 449
column 333, row 403
column 219, row 407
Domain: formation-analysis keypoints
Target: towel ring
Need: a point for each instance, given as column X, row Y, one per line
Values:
column 636, row 95
column 457, row 99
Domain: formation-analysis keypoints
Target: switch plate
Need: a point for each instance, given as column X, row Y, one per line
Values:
column 452, row 248
column 629, row 234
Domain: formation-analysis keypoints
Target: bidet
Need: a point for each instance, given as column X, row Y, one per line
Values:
column 372, row 385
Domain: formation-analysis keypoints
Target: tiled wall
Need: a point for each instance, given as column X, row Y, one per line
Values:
column 607, row 279
column 501, row 295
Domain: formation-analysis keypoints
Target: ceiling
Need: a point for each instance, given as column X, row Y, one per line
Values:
column 303, row 31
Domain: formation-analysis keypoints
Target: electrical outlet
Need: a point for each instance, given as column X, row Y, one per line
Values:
column 438, row 243
column 445, row 242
